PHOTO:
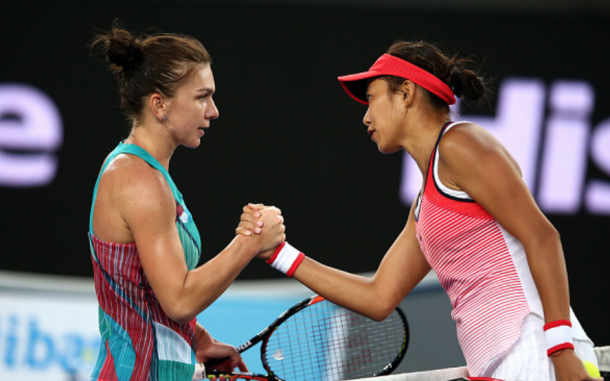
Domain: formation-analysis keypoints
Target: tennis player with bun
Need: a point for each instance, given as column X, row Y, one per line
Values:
column 145, row 246
column 474, row 222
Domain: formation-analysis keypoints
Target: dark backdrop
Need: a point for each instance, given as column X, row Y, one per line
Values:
column 288, row 135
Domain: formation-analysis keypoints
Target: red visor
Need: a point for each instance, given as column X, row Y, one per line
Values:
column 387, row 64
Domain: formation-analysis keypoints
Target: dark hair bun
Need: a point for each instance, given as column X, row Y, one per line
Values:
column 457, row 73
column 123, row 50
column 148, row 64
column 465, row 83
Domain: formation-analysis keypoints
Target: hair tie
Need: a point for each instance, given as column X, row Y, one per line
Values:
column 455, row 79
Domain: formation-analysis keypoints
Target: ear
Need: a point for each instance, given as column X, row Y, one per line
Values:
column 407, row 88
column 157, row 105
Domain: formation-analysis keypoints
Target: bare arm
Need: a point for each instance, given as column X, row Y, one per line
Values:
column 472, row 160
column 401, row 269
column 147, row 209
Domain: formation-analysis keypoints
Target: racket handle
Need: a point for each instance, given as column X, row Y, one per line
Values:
column 212, row 363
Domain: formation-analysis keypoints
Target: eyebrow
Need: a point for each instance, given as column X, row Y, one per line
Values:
column 204, row 89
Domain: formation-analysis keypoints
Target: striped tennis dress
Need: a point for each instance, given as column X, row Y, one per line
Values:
column 139, row 341
column 482, row 268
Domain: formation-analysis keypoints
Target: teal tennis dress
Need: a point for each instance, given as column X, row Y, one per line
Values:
column 139, row 341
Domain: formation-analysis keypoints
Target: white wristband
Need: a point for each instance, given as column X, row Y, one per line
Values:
column 558, row 336
column 286, row 258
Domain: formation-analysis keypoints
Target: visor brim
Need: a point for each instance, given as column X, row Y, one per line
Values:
column 355, row 85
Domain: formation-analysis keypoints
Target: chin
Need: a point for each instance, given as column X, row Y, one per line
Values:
column 388, row 150
column 192, row 145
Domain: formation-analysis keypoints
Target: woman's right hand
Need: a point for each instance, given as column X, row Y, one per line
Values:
column 568, row 367
column 265, row 224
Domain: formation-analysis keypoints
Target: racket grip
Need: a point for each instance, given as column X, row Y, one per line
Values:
column 212, row 363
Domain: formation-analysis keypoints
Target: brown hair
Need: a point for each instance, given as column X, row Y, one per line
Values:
column 453, row 71
column 150, row 64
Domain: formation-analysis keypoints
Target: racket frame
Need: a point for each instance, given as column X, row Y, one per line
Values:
column 266, row 333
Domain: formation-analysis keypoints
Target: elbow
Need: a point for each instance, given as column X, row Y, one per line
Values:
column 381, row 303
column 555, row 234
column 180, row 313
column 182, row 319
column 542, row 236
column 551, row 236
column 382, row 311
column 381, row 315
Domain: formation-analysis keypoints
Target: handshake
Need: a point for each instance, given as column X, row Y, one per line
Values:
column 264, row 225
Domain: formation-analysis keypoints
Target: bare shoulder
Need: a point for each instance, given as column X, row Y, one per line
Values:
column 468, row 137
column 470, row 145
column 131, row 183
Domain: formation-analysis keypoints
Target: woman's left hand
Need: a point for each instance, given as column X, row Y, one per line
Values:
column 568, row 367
column 208, row 349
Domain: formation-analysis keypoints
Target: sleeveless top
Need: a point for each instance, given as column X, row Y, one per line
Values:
column 139, row 341
column 481, row 266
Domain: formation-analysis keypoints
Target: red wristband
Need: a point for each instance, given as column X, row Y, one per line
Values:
column 286, row 259
column 558, row 336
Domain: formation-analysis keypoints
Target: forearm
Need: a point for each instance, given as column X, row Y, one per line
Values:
column 203, row 285
column 374, row 297
column 342, row 288
column 548, row 268
column 400, row 270
column 203, row 336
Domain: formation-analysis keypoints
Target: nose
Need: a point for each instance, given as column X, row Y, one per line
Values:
column 367, row 119
column 212, row 111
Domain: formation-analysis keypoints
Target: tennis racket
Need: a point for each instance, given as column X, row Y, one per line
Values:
column 318, row 340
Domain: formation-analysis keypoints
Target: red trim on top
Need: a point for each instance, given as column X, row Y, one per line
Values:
column 295, row 264
column 557, row 323
column 388, row 64
column 559, row 347
column 276, row 253
column 433, row 193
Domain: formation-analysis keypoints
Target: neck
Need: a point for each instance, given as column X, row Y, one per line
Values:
column 154, row 139
column 420, row 143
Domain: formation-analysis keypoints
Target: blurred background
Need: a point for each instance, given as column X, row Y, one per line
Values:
column 289, row 136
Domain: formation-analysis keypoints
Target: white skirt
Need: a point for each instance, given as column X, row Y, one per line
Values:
column 527, row 359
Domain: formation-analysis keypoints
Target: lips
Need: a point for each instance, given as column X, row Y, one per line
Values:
column 370, row 132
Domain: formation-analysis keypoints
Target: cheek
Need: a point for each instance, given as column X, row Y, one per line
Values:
column 197, row 109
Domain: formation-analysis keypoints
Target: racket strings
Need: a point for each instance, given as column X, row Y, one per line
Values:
column 326, row 342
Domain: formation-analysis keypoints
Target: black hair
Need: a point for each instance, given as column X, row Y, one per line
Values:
column 455, row 72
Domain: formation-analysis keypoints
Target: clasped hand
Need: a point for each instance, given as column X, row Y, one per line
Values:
column 265, row 224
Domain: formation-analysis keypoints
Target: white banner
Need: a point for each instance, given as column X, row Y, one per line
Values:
column 47, row 336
